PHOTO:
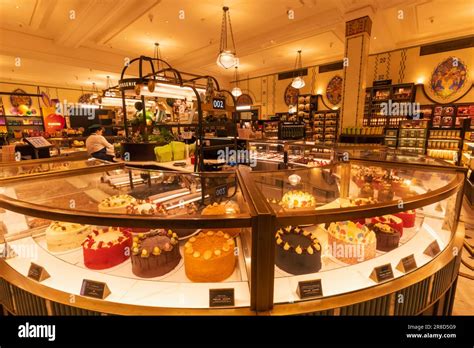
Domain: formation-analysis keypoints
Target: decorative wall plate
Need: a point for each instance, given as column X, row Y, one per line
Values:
column 291, row 95
column 449, row 78
column 334, row 90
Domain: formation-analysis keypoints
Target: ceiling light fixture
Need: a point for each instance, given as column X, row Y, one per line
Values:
column 227, row 56
column 298, row 81
column 95, row 98
column 109, row 92
column 236, row 91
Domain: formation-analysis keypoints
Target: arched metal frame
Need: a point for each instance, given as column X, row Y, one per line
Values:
column 176, row 80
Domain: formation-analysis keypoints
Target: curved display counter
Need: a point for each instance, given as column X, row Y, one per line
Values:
column 355, row 237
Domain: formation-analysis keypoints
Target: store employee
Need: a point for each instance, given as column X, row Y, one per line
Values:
column 97, row 146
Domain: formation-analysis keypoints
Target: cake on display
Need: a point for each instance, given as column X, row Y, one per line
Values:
column 63, row 236
column 297, row 199
column 116, row 204
column 357, row 202
column 387, row 237
column 221, row 208
column 408, row 217
column 226, row 208
column 401, row 187
column 366, row 191
column 209, row 257
column 148, row 207
column 372, row 175
column 106, row 248
column 385, row 193
column 297, row 251
column 351, row 242
column 155, row 253
column 145, row 207
column 391, row 220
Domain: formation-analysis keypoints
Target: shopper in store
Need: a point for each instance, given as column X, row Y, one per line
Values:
column 97, row 146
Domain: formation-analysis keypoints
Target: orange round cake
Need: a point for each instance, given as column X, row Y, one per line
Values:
column 223, row 209
column 209, row 257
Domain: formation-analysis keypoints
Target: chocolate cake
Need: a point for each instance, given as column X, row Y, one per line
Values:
column 297, row 251
column 155, row 253
column 387, row 237
column 147, row 207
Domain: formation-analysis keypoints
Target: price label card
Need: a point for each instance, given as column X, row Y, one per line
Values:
column 407, row 264
column 221, row 297
column 433, row 249
column 382, row 273
column 37, row 272
column 309, row 289
column 94, row 289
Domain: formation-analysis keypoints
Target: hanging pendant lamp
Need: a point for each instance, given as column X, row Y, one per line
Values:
column 227, row 56
column 108, row 91
column 236, row 91
column 298, row 81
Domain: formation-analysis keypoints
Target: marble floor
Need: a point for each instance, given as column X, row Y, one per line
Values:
column 464, row 301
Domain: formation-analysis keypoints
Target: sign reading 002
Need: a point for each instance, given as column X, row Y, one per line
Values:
column 218, row 103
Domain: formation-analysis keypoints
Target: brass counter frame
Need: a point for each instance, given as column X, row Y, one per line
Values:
column 104, row 306
column 263, row 221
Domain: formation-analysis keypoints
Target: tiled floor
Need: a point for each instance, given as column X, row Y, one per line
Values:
column 464, row 301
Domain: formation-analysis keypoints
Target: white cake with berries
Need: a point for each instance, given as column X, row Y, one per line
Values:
column 64, row 236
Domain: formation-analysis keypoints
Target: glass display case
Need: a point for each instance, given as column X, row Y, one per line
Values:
column 24, row 169
column 309, row 154
column 280, row 154
column 158, row 239
column 354, row 225
column 324, row 240
column 387, row 154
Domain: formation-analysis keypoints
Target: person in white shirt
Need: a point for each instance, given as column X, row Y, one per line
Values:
column 97, row 146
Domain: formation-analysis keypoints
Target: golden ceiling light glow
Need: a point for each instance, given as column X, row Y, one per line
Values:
column 226, row 58
column 236, row 91
column 298, row 81
column 420, row 80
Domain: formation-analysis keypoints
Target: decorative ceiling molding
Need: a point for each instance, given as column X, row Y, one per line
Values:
column 41, row 13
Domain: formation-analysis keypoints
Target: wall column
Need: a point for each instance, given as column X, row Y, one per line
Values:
column 355, row 66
